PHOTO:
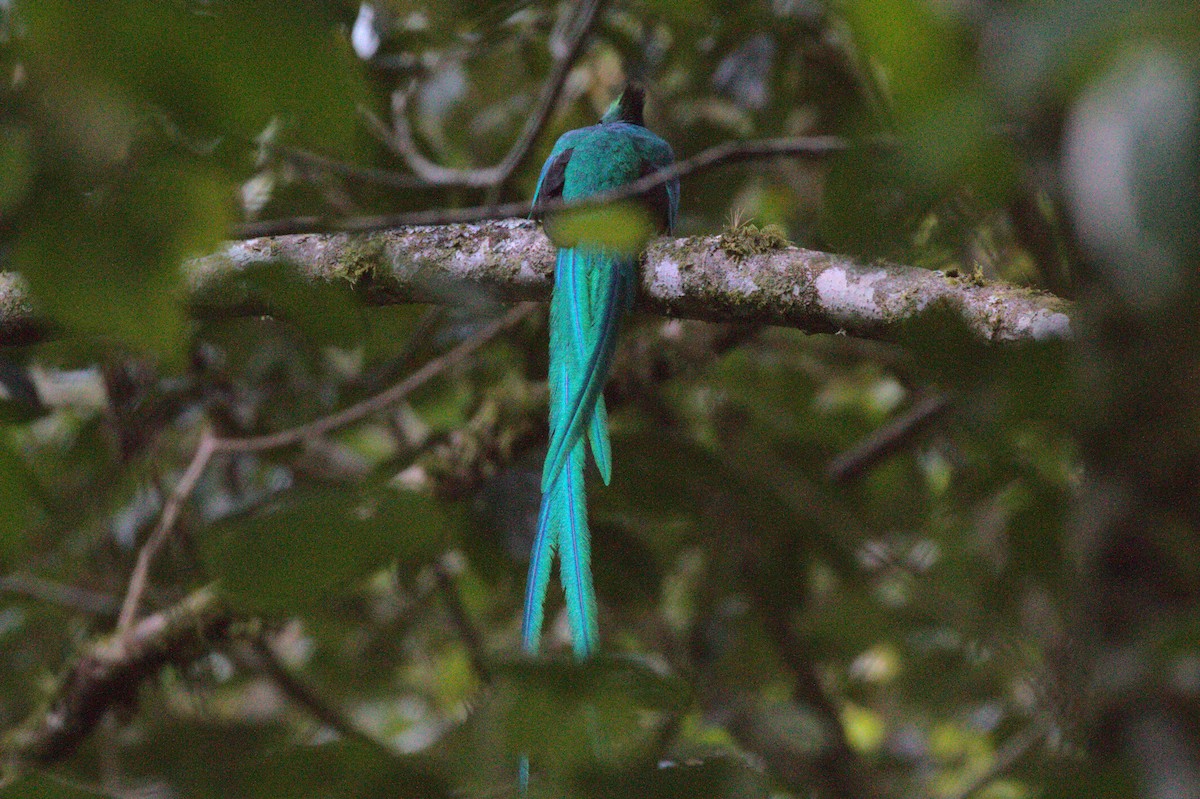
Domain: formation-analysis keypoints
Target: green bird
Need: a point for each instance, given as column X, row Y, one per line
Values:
column 594, row 288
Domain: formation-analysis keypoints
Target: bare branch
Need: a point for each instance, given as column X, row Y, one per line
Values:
column 1007, row 756
column 888, row 439
column 210, row 445
column 306, row 697
column 68, row 596
column 20, row 324
column 382, row 400
column 109, row 673
column 589, row 11
column 401, row 141
column 448, row 587
column 166, row 523
column 362, row 174
column 725, row 153
column 846, row 776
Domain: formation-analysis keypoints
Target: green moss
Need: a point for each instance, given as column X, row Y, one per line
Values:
column 740, row 240
column 960, row 277
column 361, row 257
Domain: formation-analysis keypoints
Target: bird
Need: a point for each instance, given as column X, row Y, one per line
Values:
column 594, row 285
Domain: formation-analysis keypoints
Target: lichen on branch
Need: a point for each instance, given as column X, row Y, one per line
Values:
column 702, row 277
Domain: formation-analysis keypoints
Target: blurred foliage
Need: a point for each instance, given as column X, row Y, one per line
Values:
column 767, row 630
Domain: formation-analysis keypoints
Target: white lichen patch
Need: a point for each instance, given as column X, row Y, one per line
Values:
column 740, row 283
column 667, row 282
column 527, row 274
column 845, row 295
column 1043, row 325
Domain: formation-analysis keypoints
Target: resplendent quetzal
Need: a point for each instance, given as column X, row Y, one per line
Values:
column 593, row 288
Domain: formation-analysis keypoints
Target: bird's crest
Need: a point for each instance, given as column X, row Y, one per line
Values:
column 628, row 107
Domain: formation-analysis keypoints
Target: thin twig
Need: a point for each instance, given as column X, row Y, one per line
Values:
column 1015, row 748
column 306, row 697
column 886, row 440
column 363, row 174
column 400, row 138
column 171, row 508
column 462, row 622
column 725, row 153
column 382, row 400
column 68, row 596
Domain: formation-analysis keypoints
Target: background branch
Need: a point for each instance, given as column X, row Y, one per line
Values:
column 725, row 153
column 166, row 523
column 210, row 445
column 68, row 596
column 889, row 438
column 110, row 672
column 305, row 696
column 400, row 137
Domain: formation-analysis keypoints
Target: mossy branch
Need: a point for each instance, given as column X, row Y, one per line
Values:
column 723, row 278
column 720, row 278
column 109, row 673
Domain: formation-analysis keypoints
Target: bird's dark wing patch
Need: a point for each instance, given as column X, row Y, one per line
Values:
column 658, row 199
column 553, row 182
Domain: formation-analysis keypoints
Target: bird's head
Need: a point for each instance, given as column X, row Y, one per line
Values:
column 628, row 107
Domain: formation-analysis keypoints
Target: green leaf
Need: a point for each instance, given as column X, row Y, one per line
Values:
column 325, row 313
column 228, row 68
column 17, row 506
column 390, row 329
column 346, row 770
column 45, row 787
column 565, row 715
column 313, row 544
column 106, row 262
column 16, row 165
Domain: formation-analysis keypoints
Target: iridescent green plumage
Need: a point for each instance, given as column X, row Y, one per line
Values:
column 593, row 289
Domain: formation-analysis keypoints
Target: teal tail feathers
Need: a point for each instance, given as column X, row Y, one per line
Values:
column 563, row 527
column 592, row 292
column 593, row 289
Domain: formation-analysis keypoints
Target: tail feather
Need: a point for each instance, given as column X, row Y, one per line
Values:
column 573, row 411
column 544, row 545
column 575, row 553
column 588, row 300
column 598, row 438
column 563, row 527
column 573, row 267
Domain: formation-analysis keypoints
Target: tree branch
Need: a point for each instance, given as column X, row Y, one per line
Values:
column 166, row 523
column 853, row 463
column 305, row 696
column 726, row 153
column 472, row 640
column 380, row 401
column 695, row 278
column 68, row 596
column 210, row 445
column 361, row 174
column 1006, row 757
column 400, row 139
column 502, row 429
column 109, row 674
